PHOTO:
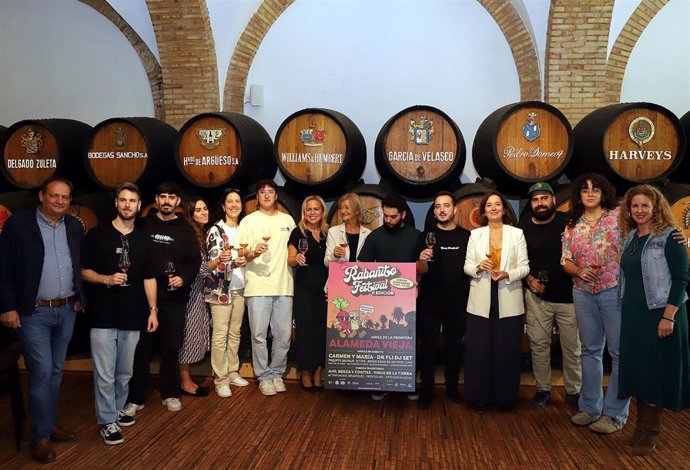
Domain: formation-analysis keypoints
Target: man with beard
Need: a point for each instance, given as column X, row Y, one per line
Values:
column 443, row 292
column 175, row 260
column 393, row 242
column 549, row 297
column 122, row 301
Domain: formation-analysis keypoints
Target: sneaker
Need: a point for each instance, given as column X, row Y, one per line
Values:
column 124, row 419
column 239, row 382
column 540, row 400
column 606, row 425
column 132, row 408
column 223, row 391
column 378, row 396
column 173, row 404
column 424, row 401
column 413, row 396
column 582, row 419
column 111, row 434
column 267, row 388
column 573, row 399
column 279, row 385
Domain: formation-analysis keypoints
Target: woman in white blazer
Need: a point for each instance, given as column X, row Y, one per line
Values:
column 496, row 262
column 350, row 233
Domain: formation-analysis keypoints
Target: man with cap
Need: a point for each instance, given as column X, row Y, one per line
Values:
column 548, row 296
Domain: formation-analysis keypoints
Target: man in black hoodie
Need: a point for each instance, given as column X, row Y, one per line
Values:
column 176, row 261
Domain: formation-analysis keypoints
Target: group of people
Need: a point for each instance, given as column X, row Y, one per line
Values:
column 606, row 274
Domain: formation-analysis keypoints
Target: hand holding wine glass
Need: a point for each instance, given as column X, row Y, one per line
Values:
column 430, row 241
column 543, row 278
column 302, row 246
column 124, row 263
column 170, row 271
column 340, row 251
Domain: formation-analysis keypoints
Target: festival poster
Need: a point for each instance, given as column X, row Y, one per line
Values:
column 370, row 329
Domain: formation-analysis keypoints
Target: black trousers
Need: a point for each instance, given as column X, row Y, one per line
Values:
column 493, row 356
column 170, row 334
column 439, row 310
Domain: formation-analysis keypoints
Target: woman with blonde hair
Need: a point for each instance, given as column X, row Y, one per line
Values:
column 654, row 355
column 345, row 240
column 306, row 251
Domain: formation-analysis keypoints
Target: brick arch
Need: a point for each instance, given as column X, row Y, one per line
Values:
column 625, row 42
column 506, row 16
column 148, row 60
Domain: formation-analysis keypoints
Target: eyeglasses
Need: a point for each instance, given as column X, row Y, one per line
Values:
column 125, row 243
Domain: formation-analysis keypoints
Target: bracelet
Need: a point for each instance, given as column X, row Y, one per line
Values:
column 669, row 319
column 153, row 309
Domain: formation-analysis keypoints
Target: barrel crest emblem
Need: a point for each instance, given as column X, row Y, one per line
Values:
column 421, row 132
column 313, row 137
column 32, row 141
column 641, row 130
column 120, row 138
column 531, row 130
column 210, row 138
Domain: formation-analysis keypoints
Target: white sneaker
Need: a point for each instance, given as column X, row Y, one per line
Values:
column 111, row 434
column 239, row 382
column 378, row 396
column 173, row 404
column 279, row 385
column 267, row 388
column 132, row 408
column 223, row 391
column 413, row 396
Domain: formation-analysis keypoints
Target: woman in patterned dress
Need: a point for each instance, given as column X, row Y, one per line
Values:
column 197, row 328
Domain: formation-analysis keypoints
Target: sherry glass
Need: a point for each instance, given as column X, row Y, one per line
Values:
column 303, row 246
column 124, row 263
column 170, row 271
column 430, row 241
column 342, row 241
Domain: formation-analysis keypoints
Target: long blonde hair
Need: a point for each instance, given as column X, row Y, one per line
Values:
column 662, row 217
column 303, row 225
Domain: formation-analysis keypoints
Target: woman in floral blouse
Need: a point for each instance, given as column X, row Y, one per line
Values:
column 591, row 253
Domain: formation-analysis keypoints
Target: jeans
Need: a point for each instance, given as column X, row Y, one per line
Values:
column 276, row 312
column 599, row 323
column 44, row 336
column 225, row 339
column 112, row 351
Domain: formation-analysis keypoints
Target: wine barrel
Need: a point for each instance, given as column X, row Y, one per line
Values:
column 319, row 151
column 93, row 209
column 682, row 173
column 522, row 143
column 678, row 196
column 287, row 203
column 371, row 195
column 420, row 151
column 218, row 149
column 34, row 150
column 629, row 143
column 16, row 201
column 468, row 198
column 134, row 149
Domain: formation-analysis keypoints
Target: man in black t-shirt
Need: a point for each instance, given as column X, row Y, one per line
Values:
column 549, row 297
column 442, row 299
column 117, row 267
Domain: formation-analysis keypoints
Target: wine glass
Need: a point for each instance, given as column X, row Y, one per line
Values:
column 170, row 271
column 266, row 234
column 543, row 277
column 124, row 263
column 303, row 246
column 430, row 241
column 491, row 255
column 342, row 241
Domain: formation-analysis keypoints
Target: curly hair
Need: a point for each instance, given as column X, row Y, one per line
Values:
column 507, row 214
column 662, row 217
column 303, row 224
column 608, row 195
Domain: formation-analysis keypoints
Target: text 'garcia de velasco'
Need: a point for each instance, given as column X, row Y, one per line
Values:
column 431, row 157
column 292, row 157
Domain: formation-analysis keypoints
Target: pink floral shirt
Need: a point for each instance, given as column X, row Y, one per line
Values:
column 597, row 244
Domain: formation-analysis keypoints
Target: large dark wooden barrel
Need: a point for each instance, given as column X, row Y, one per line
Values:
column 629, row 143
column 468, row 197
column 678, row 196
column 682, row 173
column 371, row 195
column 219, row 149
column 420, row 151
column 93, row 209
column 16, row 201
column 522, row 143
column 320, row 151
column 134, row 149
column 34, row 150
column 287, row 203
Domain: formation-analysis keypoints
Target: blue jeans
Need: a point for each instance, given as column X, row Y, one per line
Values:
column 44, row 336
column 599, row 323
column 275, row 311
column 112, row 351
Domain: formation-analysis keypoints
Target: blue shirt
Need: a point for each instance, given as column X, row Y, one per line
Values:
column 57, row 278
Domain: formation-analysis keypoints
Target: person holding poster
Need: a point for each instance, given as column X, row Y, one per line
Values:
column 394, row 241
column 442, row 288
column 306, row 251
column 496, row 261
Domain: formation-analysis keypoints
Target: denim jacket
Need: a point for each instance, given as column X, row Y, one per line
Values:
column 656, row 276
